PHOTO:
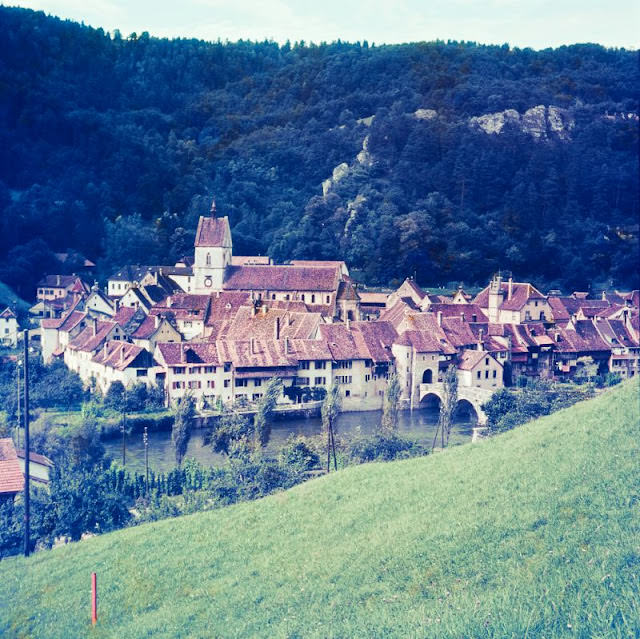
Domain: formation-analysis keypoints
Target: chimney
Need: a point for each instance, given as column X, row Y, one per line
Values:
column 439, row 316
column 286, row 345
column 105, row 351
column 156, row 321
column 348, row 322
column 253, row 345
column 57, row 280
column 183, row 354
column 510, row 289
column 94, row 326
column 253, row 310
column 480, row 336
column 169, row 301
column 263, row 309
column 277, row 329
column 604, row 295
column 462, row 316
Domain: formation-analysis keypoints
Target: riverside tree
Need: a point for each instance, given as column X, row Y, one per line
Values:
column 182, row 425
column 261, row 420
column 330, row 410
column 447, row 406
column 391, row 402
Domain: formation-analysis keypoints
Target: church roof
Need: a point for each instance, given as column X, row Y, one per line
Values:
column 213, row 231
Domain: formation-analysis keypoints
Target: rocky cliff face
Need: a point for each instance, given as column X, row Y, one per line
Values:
column 540, row 122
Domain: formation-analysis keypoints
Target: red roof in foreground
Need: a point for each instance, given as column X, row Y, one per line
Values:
column 11, row 477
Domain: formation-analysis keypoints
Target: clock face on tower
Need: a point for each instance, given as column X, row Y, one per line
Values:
column 207, row 282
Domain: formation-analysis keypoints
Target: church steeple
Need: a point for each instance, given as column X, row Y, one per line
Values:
column 213, row 251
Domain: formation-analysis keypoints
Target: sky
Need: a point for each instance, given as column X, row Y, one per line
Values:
column 520, row 23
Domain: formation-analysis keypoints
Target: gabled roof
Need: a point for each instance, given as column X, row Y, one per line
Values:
column 174, row 354
column 471, row 312
column 458, row 332
column 469, row 359
column 424, row 342
column 89, row 340
column 521, row 293
column 342, row 342
column 58, row 281
column 11, row 477
column 378, row 338
column 347, row 291
column 225, row 305
column 282, row 278
column 7, row 314
column 120, row 355
column 256, row 353
column 255, row 323
column 213, row 232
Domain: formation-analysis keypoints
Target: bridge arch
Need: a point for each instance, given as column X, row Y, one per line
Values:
column 466, row 409
column 431, row 400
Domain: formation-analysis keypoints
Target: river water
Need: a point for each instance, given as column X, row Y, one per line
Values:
column 418, row 425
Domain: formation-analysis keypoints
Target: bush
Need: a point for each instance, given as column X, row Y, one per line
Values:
column 382, row 447
column 298, row 455
column 611, row 379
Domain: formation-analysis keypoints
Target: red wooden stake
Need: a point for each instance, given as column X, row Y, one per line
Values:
column 94, row 599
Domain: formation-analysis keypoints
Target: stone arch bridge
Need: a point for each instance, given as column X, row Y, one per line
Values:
column 469, row 394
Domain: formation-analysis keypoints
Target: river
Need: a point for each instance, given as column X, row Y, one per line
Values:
column 418, row 425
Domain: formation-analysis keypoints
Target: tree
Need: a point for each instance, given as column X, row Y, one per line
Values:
column 330, row 410
column 261, row 424
column 391, row 401
column 182, row 425
column 447, row 406
column 231, row 428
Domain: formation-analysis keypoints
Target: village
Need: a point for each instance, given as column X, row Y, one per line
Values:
column 218, row 326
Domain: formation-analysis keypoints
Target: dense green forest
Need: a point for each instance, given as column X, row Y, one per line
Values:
column 112, row 146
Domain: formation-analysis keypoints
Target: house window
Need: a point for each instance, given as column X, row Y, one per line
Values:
column 495, row 374
column 209, row 369
column 347, row 393
column 328, row 299
column 320, row 365
column 479, row 374
column 227, row 367
column 303, row 381
column 486, row 374
column 211, row 383
column 208, row 259
column 486, row 362
column 227, row 382
column 320, row 381
column 141, row 372
column 302, row 297
column 313, row 299
column 256, row 396
column 178, row 370
column 257, row 382
column 241, row 382
column 196, row 370
column 304, row 365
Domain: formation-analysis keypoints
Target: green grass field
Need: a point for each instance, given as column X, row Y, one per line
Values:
column 535, row 533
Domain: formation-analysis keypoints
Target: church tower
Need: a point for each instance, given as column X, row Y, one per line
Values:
column 213, row 251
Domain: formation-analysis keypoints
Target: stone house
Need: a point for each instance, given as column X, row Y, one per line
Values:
column 8, row 328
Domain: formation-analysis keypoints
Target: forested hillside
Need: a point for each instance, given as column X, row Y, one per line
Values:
column 113, row 145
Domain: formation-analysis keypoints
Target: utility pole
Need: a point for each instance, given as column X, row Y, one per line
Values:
column 25, row 336
column 145, row 439
column 18, row 364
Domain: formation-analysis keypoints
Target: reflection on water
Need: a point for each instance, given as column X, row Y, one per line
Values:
column 418, row 425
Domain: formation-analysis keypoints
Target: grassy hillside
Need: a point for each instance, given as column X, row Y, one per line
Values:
column 535, row 533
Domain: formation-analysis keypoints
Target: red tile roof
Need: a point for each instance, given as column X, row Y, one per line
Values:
column 282, row 278
column 35, row 457
column 378, row 338
column 469, row 359
column 175, row 354
column 11, row 477
column 58, row 281
column 263, row 325
column 471, row 312
column 213, row 232
column 245, row 260
column 225, row 305
column 89, row 340
column 7, row 313
column 343, row 343
column 256, row 353
column 521, row 292
column 120, row 355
